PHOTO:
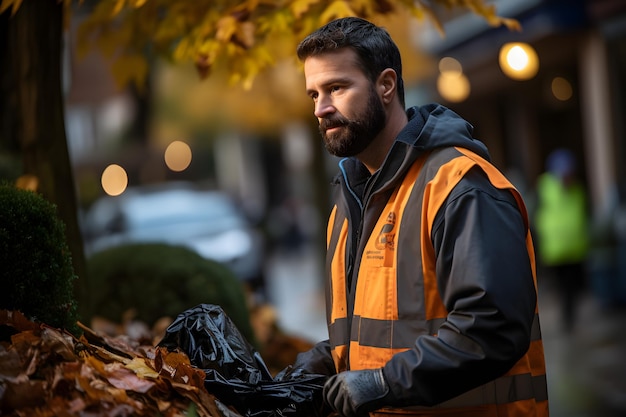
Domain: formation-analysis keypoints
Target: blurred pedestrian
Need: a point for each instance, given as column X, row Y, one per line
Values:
column 562, row 226
column 431, row 297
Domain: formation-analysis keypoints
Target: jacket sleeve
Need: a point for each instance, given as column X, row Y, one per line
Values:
column 485, row 280
column 317, row 360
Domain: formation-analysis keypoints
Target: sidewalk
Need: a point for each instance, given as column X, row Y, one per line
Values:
column 587, row 368
column 295, row 288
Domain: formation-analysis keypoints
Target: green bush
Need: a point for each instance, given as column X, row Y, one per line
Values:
column 36, row 276
column 157, row 280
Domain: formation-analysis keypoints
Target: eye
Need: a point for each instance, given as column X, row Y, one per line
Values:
column 313, row 96
column 335, row 88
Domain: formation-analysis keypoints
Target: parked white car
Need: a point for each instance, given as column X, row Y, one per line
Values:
column 208, row 222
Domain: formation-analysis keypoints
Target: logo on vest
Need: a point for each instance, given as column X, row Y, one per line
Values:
column 386, row 237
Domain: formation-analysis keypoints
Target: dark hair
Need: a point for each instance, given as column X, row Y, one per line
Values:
column 373, row 45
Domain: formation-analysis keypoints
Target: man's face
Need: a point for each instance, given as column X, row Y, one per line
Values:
column 349, row 111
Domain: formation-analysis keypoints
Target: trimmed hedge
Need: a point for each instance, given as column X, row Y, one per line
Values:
column 157, row 280
column 36, row 272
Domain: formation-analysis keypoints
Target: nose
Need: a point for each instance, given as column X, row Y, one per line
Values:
column 323, row 107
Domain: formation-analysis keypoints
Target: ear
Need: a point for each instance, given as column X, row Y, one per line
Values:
column 387, row 84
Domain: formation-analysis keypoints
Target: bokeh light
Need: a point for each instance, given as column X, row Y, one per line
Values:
column 452, row 84
column 28, row 182
column 518, row 61
column 114, row 180
column 450, row 65
column 561, row 89
column 178, row 156
column 452, row 87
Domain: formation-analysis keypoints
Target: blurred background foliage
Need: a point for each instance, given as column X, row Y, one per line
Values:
column 244, row 36
column 150, row 281
column 37, row 275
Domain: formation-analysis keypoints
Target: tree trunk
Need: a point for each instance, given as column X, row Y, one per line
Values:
column 35, row 38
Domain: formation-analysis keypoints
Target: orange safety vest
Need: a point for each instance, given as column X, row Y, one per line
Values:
column 381, row 298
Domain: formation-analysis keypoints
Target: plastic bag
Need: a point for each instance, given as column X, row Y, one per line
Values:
column 235, row 372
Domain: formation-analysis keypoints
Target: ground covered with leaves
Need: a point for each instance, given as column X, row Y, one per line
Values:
column 48, row 372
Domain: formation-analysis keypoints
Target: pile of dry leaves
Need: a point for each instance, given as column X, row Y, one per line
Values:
column 46, row 372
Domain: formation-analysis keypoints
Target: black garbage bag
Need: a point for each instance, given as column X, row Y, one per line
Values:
column 235, row 372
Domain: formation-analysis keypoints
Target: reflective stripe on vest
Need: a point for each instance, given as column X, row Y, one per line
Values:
column 390, row 313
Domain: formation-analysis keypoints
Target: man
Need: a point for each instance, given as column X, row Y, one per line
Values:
column 562, row 226
column 431, row 297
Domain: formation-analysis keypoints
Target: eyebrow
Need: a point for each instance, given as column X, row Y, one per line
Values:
column 333, row 81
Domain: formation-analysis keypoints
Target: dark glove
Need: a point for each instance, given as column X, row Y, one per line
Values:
column 291, row 373
column 356, row 393
column 316, row 360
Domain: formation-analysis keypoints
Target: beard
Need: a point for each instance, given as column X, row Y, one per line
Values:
column 354, row 135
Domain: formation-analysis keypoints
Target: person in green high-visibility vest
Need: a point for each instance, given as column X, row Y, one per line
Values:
column 562, row 229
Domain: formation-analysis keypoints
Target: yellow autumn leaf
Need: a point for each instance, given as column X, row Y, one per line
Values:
column 488, row 12
column 141, row 368
column 270, row 23
column 249, row 78
column 365, row 8
column 119, row 5
column 299, row 7
column 209, row 48
column 168, row 30
column 511, row 24
column 263, row 55
column 209, row 34
column 417, row 12
column 234, row 78
column 129, row 69
column 138, row 3
column 259, row 59
column 336, row 10
column 8, row 3
column 182, row 50
column 5, row 5
column 16, row 5
column 432, row 16
column 226, row 27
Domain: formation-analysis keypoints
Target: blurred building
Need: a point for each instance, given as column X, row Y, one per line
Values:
column 576, row 100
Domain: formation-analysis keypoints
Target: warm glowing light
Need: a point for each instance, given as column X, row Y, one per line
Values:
column 519, row 61
column 452, row 84
column 454, row 87
column 561, row 88
column 178, row 156
column 114, row 180
column 517, row 58
column 450, row 65
column 27, row 182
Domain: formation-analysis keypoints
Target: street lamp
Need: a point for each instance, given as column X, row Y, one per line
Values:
column 518, row 60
